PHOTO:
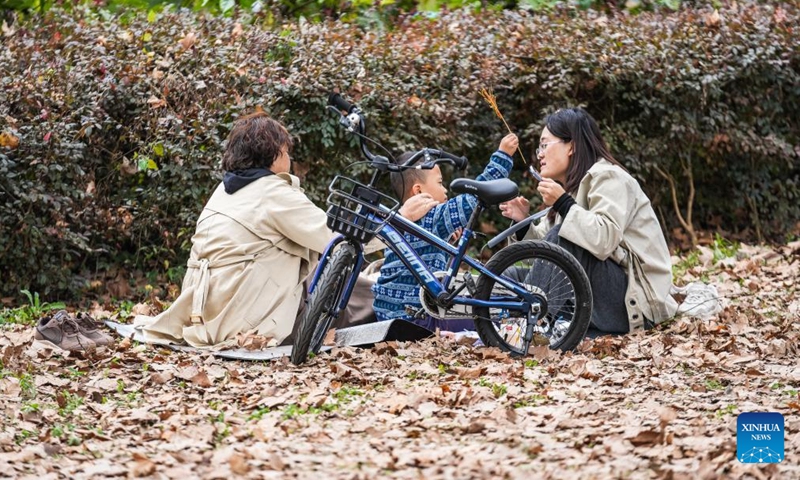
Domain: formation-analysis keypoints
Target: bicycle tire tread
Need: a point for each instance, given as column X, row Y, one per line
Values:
column 530, row 249
column 317, row 301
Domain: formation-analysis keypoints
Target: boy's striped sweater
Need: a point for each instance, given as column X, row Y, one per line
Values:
column 396, row 287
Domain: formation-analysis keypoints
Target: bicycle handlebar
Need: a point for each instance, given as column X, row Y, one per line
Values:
column 354, row 123
column 339, row 102
column 442, row 157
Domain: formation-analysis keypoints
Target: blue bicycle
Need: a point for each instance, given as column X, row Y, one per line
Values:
column 528, row 293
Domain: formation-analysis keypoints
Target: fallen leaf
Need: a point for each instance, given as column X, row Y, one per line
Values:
column 396, row 404
column 188, row 41
column 202, row 380
column 160, row 378
column 646, row 437
column 330, row 338
column 8, row 140
column 237, row 31
column 475, row 427
column 239, row 464
column 467, row 373
column 142, row 468
column 713, row 19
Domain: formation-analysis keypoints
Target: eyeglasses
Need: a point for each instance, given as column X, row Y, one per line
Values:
column 543, row 146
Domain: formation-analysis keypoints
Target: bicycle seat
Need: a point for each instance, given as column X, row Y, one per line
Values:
column 490, row 192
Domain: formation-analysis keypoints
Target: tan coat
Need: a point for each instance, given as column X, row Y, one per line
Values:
column 250, row 253
column 616, row 220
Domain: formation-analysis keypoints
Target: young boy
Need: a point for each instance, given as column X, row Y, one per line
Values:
column 396, row 288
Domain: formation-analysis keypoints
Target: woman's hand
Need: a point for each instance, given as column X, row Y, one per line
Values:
column 509, row 144
column 417, row 206
column 550, row 191
column 518, row 209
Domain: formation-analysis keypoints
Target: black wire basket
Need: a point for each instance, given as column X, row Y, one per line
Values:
column 357, row 211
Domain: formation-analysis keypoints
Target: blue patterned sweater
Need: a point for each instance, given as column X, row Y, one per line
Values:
column 396, row 287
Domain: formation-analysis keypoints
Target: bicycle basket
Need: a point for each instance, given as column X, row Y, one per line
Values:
column 357, row 211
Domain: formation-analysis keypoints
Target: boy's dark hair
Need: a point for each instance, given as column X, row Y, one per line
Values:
column 403, row 181
column 255, row 142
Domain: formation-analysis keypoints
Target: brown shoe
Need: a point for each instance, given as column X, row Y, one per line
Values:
column 61, row 331
column 89, row 328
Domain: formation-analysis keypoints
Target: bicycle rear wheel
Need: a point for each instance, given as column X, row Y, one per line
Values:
column 318, row 317
column 553, row 274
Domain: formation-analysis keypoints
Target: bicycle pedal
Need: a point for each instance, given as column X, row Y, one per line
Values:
column 415, row 313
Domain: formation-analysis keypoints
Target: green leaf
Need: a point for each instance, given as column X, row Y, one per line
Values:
column 226, row 6
column 146, row 163
column 672, row 4
column 151, row 16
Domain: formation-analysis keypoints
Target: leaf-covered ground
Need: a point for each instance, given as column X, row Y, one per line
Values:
column 660, row 404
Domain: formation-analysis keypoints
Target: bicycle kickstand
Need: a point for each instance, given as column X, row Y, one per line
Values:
column 533, row 316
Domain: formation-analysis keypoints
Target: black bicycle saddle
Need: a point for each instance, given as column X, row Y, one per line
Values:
column 490, row 192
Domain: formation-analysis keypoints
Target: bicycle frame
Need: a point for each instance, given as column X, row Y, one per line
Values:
column 391, row 234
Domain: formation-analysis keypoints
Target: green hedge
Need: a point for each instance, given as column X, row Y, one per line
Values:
column 121, row 124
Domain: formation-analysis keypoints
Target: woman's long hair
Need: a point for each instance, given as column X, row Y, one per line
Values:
column 588, row 147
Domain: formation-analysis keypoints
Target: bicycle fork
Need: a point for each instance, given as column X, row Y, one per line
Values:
column 349, row 282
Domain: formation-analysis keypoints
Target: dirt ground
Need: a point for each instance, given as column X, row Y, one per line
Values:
column 657, row 404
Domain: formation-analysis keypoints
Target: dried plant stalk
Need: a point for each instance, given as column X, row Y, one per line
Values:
column 492, row 101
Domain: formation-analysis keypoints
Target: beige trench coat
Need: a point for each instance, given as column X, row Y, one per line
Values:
column 616, row 220
column 250, row 253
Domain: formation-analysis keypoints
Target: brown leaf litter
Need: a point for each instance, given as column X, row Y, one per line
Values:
column 656, row 404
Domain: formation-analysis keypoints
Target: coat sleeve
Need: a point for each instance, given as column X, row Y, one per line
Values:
column 538, row 231
column 299, row 220
column 599, row 226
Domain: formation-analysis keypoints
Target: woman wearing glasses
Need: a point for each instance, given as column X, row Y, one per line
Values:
column 601, row 215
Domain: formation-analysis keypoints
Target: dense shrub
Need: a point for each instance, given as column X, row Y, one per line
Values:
column 121, row 125
column 362, row 11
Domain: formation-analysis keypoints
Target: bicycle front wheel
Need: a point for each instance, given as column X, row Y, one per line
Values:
column 318, row 315
column 551, row 273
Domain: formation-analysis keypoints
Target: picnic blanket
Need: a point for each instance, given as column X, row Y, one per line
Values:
column 358, row 336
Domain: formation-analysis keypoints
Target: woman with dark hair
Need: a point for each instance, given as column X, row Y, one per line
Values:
column 601, row 215
column 256, row 241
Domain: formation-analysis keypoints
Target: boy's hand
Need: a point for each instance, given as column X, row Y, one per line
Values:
column 417, row 206
column 518, row 209
column 509, row 144
column 455, row 236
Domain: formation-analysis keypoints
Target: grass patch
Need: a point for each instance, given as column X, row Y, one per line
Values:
column 530, row 401
column 347, row 394
column 71, row 402
column 498, row 389
column 294, row 410
column 722, row 248
column 713, row 384
column 31, row 312
column 258, row 414
column 723, row 412
column 691, row 260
